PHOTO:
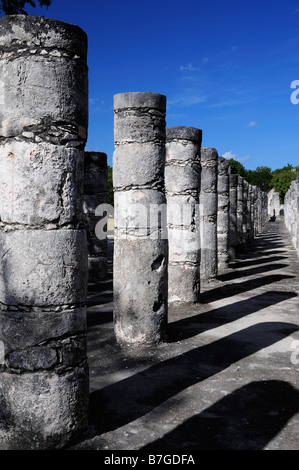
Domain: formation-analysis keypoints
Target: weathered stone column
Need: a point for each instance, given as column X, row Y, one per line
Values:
column 245, row 213
column 182, row 183
column 140, row 239
column 259, row 210
column 250, row 212
column 255, row 210
column 208, row 210
column 223, row 214
column 95, row 194
column 232, row 236
column 43, row 270
column 240, row 211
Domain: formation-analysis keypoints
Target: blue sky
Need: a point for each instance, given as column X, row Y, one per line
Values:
column 226, row 67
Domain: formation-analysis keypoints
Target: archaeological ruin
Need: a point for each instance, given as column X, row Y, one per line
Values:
column 181, row 214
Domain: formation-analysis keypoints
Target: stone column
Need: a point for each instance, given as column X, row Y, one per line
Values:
column 259, row 210
column 240, row 211
column 182, row 183
column 245, row 213
column 95, row 194
column 140, row 238
column 43, row 270
column 232, row 235
column 223, row 214
column 255, row 210
column 208, row 210
column 250, row 212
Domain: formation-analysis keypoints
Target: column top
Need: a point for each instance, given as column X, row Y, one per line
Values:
column 208, row 154
column 38, row 32
column 184, row 133
column 143, row 99
column 223, row 162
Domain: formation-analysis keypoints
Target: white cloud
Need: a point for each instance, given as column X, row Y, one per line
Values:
column 252, row 124
column 295, row 12
column 188, row 68
column 205, row 60
column 187, row 100
column 244, row 159
column 228, row 155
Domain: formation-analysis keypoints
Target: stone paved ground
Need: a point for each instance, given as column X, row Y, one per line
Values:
column 226, row 379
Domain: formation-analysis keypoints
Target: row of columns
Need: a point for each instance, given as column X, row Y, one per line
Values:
column 291, row 211
column 48, row 242
column 181, row 214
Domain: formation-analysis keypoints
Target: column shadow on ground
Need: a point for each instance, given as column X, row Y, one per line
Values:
column 225, row 291
column 246, row 419
column 251, row 271
column 127, row 400
column 253, row 262
column 214, row 318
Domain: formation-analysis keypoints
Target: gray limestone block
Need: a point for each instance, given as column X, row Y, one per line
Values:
column 208, row 265
column 223, row 166
column 37, row 357
column 222, row 221
column 139, row 117
column 37, row 32
column 96, row 247
column 185, row 133
column 183, row 211
column 139, row 126
column 208, row 182
column 23, row 329
column 91, row 221
column 140, row 290
column 223, row 202
column 143, row 99
column 95, row 173
column 92, row 201
column 97, row 268
column 43, row 268
column 222, row 184
column 182, row 151
column 209, row 156
column 183, row 283
column 138, row 165
column 61, row 95
column 184, row 245
column 40, row 184
column 222, row 242
column 43, row 410
column 139, row 209
column 208, row 234
column 223, row 261
column 208, row 204
column 233, row 180
column 182, row 178
column 59, row 355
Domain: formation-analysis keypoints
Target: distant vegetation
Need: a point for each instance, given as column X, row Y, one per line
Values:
column 16, row 7
column 110, row 192
column 266, row 179
column 263, row 177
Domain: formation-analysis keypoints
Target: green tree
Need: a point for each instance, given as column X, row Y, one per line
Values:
column 110, row 192
column 282, row 179
column 261, row 177
column 16, row 7
column 239, row 167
